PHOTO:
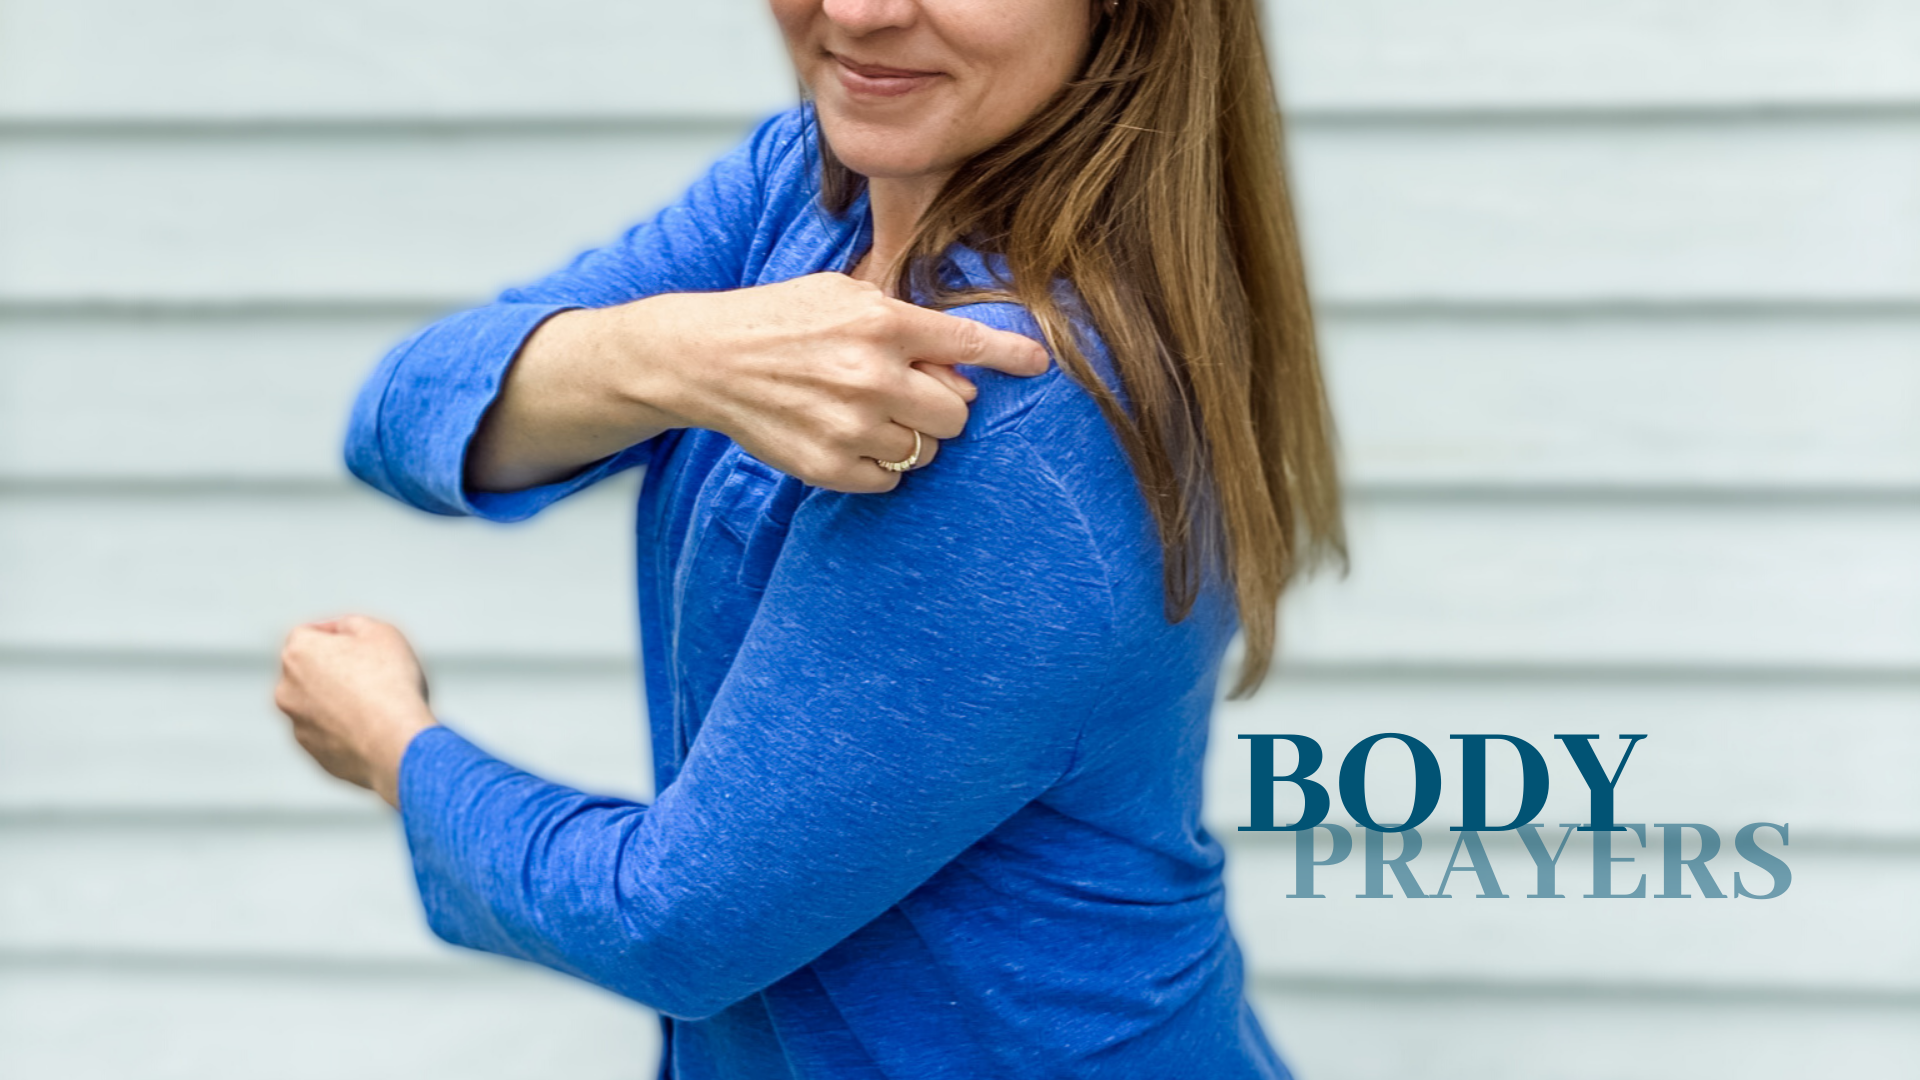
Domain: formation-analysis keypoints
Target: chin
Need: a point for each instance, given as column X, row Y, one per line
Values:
column 886, row 164
column 889, row 151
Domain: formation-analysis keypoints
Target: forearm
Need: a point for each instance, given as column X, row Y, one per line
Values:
column 587, row 384
column 836, row 770
column 511, row 864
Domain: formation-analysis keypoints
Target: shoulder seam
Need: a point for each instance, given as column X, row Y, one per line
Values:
column 1056, row 374
column 1013, row 422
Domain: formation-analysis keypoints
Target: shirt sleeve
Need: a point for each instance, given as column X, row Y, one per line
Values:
column 417, row 413
column 921, row 666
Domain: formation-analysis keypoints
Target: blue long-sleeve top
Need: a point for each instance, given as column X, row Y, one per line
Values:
column 928, row 762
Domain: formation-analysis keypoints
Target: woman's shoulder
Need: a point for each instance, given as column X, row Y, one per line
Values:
column 783, row 157
column 1048, row 434
column 1053, row 408
column 778, row 146
column 1053, row 427
column 1006, row 403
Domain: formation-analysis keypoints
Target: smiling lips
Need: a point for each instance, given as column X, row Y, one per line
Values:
column 875, row 80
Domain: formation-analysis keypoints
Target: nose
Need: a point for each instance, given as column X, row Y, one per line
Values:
column 858, row 17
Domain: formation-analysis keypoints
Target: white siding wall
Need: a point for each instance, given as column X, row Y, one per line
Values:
column 1622, row 306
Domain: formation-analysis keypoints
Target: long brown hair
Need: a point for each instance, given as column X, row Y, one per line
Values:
column 1154, row 183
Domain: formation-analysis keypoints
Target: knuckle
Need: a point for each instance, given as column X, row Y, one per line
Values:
column 806, row 474
column 843, row 430
column 951, row 422
column 824, row 469
column 970, row 340
column 872, row 321
column 866, row 376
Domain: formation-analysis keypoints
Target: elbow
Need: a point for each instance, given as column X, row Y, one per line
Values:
column 683, row 984
column 445, row 929
column 681, row 990
column 687, row 976
column 693, row 1005
column 697, row 993
column 681, row 995
column 462, row 918
column 559, row 899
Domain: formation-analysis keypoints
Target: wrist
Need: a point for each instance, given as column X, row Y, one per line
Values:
column 658, row 363
column 388, row 758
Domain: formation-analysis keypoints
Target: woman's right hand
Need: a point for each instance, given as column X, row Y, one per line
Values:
column 818, row 377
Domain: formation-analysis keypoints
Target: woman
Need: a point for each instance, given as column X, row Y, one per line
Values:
column 930, row 650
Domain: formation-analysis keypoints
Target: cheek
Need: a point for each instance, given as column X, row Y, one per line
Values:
column 795, row 18
column 1023, row 61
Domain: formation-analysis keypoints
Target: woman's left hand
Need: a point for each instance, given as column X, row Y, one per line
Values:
column 356, row 695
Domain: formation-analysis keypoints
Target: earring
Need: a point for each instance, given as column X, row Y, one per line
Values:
column 1112, row 6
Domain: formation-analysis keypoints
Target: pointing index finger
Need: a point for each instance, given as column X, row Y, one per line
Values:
column 940, row 338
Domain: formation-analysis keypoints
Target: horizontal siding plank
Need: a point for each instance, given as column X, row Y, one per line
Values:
column 218, row 1026
column 89, row 739
column 1630, row 212
column 1608, row 401
column 342, row 894
column 1516, row 54
column 113, row 59
column 1626, row 212
column 183, row 398
column 449, row 217
column 85, row 59
column 1839, row 926
column 231, row 573
column 1820, row 403
column 1441, row 1034
column 333, row 891
column 1665, row 585
column 1447, row 581
column 105, row 1024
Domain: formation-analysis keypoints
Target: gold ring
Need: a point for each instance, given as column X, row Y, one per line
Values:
column 902, row 466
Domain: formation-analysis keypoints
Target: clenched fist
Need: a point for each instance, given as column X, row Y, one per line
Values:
column 356, row 695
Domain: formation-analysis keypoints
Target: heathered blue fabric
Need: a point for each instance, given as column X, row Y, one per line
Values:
column 928, row 761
